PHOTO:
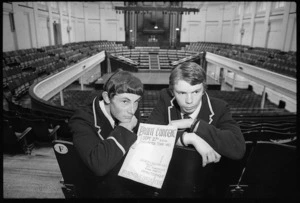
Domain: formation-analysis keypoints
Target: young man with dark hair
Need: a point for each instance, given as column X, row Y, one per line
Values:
column 104, row 131
column 211, row 129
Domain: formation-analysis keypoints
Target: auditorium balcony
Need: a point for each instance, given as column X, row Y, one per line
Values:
column 270, row 59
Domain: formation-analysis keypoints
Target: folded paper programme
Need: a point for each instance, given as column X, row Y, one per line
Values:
column 148, row 158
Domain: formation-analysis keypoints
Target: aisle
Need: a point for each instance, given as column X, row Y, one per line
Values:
column 32, row 176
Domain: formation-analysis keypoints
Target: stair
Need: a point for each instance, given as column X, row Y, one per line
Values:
column 154, row 62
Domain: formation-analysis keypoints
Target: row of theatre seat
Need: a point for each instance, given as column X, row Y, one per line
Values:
column 50, row 59
column 243, row 105
column 23, row 67
column 76, row 98
column 278, row 129
column 165, row 56
column 23, row 128
column 240, row 102
column 270, row 59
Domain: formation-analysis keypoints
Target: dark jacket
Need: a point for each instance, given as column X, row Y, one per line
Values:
column 103, row 150
column 216, row 127
column 99, row 145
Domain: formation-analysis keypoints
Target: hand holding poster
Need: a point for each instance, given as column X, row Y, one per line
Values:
column 148, row 158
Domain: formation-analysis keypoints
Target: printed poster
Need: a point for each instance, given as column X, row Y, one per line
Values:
column 148, row 158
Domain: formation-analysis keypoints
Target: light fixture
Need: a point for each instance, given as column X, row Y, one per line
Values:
column 155, row 27
column 130, row 30
column 177, row 29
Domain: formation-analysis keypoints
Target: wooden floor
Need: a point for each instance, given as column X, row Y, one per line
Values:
column 32, row 176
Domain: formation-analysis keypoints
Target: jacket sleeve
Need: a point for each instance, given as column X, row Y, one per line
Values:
column 99, row 155
column 225, row 136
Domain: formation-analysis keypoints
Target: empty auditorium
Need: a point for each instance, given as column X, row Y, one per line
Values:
column 96, row 96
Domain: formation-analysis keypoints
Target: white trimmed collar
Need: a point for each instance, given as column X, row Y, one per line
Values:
column 111, row 120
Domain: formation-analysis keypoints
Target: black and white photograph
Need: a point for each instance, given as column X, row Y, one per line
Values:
column 150, row 100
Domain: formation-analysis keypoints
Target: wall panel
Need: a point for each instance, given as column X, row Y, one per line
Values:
column 211, row 33
column 194, row 32
column 274, row 39
column 293, row 46
column 227, row 12
column 93, row 31
column 92, row 11
column 247, row 35
column 258, row 34
column 111, row 31
column 213, row 13
column 236, row 33
column 25, row 31
column 7, row 35
column 43, row 37
column 80, row 36
column 226, row 32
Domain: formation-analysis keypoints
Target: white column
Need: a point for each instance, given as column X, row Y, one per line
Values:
column 262, row 104
column 252, row 22
column 35, row 17
column 60, row 6
column 81, row 83
column 61, row 98
column 241, row 25
column 234, row 7
column 204, row 10
column 16, row 14
column 233, row 82
column 69, row 20
column 220, row 26
column 108, row 64
column 267, row 24
column 100, row 23
column 85, row 20
column 50, row 24
column 75, row 27
column 284, row 25
column 289, row 37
